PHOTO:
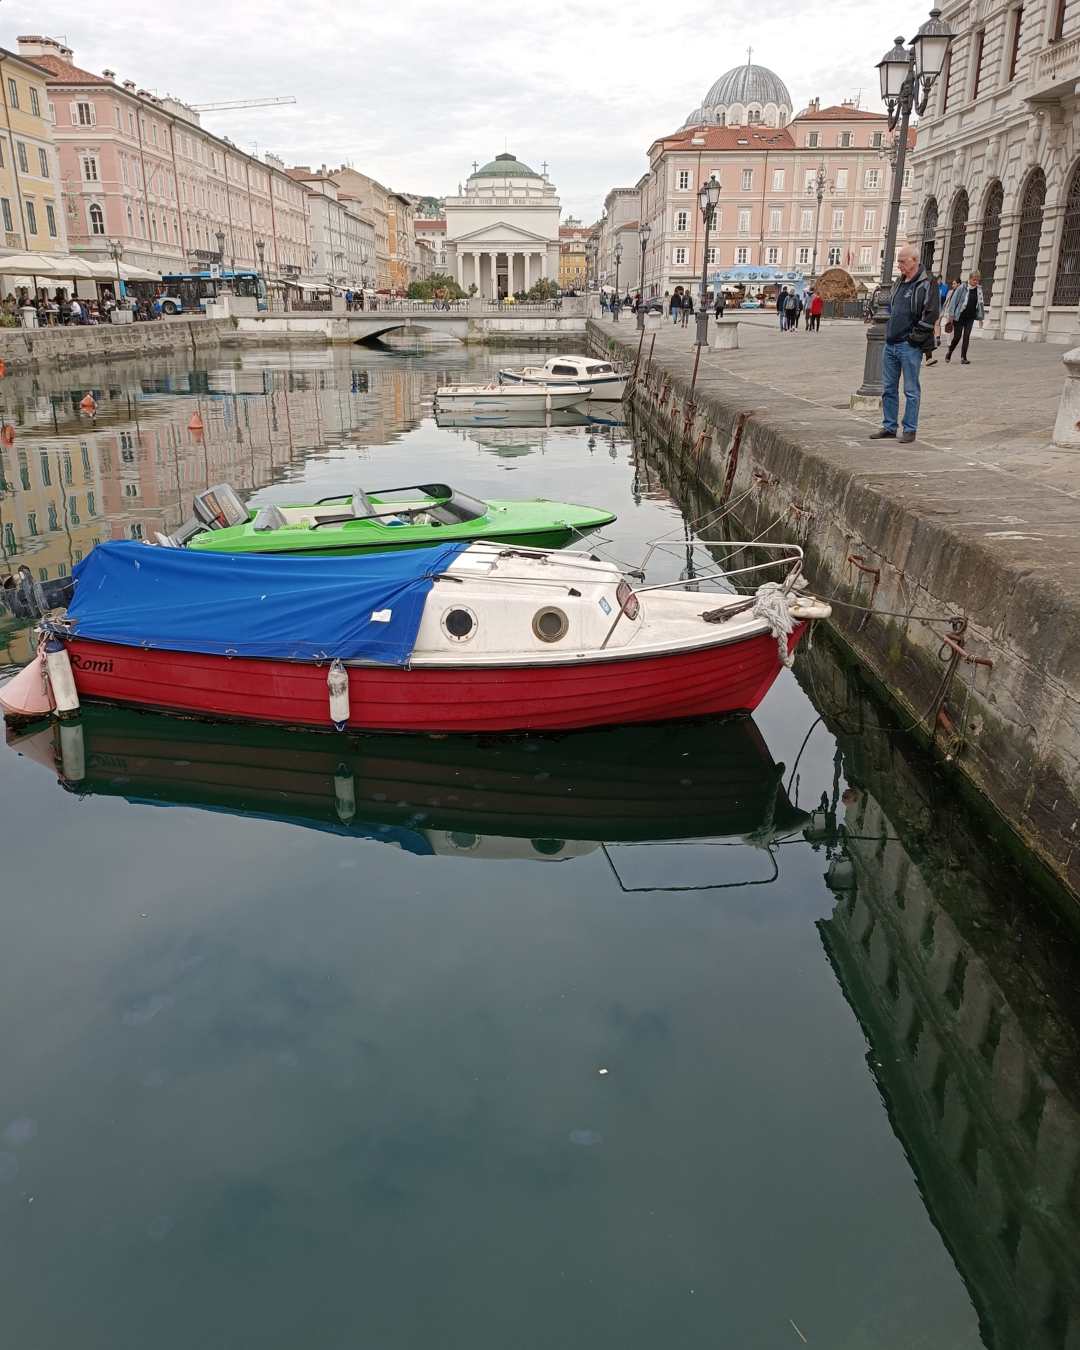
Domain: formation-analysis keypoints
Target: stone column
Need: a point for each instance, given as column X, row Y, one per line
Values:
column 1067, row 426
column 495, row 276
column 528, row 271
column 476, row 273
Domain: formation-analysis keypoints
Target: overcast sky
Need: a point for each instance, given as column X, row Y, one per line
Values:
column 412, row 92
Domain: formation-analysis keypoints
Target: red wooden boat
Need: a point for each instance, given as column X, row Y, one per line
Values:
column 503, row 640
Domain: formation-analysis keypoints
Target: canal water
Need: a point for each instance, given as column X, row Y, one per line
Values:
column 737, row 1035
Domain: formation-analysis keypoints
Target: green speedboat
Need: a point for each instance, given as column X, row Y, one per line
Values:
column 392, row 518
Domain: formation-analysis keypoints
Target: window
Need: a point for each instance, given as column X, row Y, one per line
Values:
column 54, row 519
column 778, row 180
column 834, row 257
column 5, row 209
column 31, row 217
column 1015, row 22
column 866, row 257
column 97, row 219
column 123, row 170
column 24, row 471
column 744, row 220
column 31, row 522
column 131, row 123
column 43, row 162
column 1, row 154
column 136, row 530
column 809, row 180
column 841, row 180
column 91, row 504
column 682, row 219
column 9, row 538
column 872, row 180
column 679, row 257
column 869, row 220
column 35, row 102
column 772, row 256
column 753, row 116
column 24, row 163
column 1058, row 30
column 977, row 61
column 1028, row 239
column 710, row 256
column 806, row 220
column 83, row 115
column 747, row 180
column 907, row 177
column 13, row 93
column 813, row 140
column 802, row 256
column 944, row 80
column 844, row 140
column 838, row 220
column 742, row 257
column 877, row 140
column 46, row 472
column 73, row 510
column 775, row 217
column 89, row 168
column 684, row 180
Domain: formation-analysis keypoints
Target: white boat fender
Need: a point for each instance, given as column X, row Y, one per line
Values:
column 72, row 752
column 337, row 682
column 771, row 606
column 61, row 680
column 344, row 794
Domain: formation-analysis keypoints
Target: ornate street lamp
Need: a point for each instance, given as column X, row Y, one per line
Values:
column 116, row 252
column 260, row 248
column 907, row 75
column 708, row 196
column 644, row 230
column 220, row 237
column 817, row 189
column 618, row 261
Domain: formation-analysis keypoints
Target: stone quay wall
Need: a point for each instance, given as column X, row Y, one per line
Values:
column 61, row 348
column 877, row 538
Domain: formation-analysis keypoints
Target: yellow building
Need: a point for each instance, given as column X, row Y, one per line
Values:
column 31, row 218
column 572, row 256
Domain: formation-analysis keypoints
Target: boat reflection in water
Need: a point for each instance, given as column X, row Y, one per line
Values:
column 544, row 798
column 586, row 415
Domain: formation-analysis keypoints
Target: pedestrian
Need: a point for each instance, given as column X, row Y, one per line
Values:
column 75, row 310
column 913, row 311
column 675, row 308
column 604, row 302
column 687, row 307
column 616, row 306
column 964, row 306
column 791, row 310
column 817, row 306
column 720, row 304
column 781, row 302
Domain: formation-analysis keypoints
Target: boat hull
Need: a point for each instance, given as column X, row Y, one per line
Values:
column 727, row 677
column 542, row 400
column 554, row 536
column 605, row 389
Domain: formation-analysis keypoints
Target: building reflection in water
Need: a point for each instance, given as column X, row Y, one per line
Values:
column 967, row 994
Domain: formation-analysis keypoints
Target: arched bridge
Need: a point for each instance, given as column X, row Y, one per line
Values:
column 473, row 321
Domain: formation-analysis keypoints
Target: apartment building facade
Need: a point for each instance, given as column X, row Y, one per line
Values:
column 31, row 203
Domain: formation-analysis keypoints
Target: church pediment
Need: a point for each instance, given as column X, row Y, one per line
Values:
column 500, row 232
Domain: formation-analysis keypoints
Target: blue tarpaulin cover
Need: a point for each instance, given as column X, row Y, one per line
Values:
column 366, row 608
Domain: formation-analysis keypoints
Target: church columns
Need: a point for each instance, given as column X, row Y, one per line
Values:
column 528, row 270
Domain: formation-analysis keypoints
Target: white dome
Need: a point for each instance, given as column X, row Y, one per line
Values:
column 748, row 84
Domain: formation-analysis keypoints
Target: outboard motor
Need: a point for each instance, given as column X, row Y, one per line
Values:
column 215, row 509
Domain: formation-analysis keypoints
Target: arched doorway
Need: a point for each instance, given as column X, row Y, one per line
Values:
column 991, row 235
column 1067, row 276
column 1028, row 238
column 954, row 262
column 929, row 232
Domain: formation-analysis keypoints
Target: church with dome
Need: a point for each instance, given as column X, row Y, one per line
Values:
column 803, row 191
column 502, row 228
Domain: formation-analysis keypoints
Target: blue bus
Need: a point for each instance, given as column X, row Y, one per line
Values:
column 190, row 290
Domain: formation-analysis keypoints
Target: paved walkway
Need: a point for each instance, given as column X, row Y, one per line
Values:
column 998, row 412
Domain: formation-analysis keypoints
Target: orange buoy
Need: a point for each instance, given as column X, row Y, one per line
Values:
column 88, row 403
column 195, row 422
column 3, row 369
column 7, row 433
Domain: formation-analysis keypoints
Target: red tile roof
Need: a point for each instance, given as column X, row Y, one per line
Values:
column 426, row 223
column 727, row 138
column 63, row 72
column 838, row 113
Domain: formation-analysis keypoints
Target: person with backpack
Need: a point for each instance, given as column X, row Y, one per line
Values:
column 914, row 307
column 781, row 303
column 675, row 308
column 687, row 306
column 791, row 310
column 963, row 308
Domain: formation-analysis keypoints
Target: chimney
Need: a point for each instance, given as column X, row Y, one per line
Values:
column 109, row 74
column 129, row 85
column 34, row 45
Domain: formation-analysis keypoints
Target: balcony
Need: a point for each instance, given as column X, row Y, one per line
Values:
column 1055, row 70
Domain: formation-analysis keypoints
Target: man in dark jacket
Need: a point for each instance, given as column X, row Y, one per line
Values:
column 913, row 311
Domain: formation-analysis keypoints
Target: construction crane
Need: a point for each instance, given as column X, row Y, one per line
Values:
column 243, row 103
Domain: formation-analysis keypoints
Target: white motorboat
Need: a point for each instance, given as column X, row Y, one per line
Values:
column 603, row 378
column 509, row 398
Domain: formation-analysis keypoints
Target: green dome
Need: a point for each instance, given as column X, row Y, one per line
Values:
column 505, row 166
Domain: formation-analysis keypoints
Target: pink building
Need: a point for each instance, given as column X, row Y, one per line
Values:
column 769, row 164
column 139, row 169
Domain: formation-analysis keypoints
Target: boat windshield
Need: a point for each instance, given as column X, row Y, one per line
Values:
column 458, row 509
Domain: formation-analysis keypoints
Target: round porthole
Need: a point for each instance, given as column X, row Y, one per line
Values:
column 550, row 624
column 459, row 623
column 462, row 840
column 548, row 848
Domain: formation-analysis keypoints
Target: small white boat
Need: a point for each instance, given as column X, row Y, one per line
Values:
column 509, row 398
column 602, row 377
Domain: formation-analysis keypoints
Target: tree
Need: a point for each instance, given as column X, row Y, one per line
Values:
column 542, row 290
column 438, row 281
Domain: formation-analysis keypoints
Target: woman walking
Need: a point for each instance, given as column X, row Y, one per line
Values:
column 964, row 306
column 676, row 304
column 687, row 307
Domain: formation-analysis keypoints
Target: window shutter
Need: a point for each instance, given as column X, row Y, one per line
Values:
column 93, row 115
column 74, row 114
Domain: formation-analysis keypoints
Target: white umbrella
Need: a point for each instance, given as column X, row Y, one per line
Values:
column 29, row 265
column 130, row 272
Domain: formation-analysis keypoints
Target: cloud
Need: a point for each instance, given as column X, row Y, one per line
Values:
column 413, row 92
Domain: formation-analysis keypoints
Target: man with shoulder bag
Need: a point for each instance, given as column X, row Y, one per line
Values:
column 914, row 307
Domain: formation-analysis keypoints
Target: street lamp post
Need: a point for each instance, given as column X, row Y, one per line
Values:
column 817, row 188
column 116, row 252
column 708, row 196
column 618, row 261
column 907, row 76
column 260, row 248
column 644, row 231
